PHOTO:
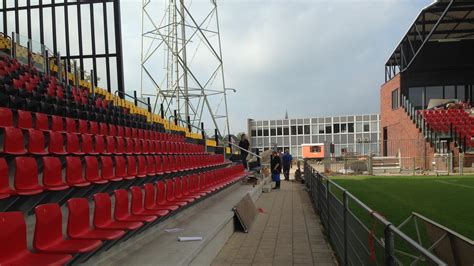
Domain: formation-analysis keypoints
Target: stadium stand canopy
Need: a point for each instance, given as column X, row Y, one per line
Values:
column 444, row 21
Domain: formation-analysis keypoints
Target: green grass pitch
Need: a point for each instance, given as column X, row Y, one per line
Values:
column 448, row 200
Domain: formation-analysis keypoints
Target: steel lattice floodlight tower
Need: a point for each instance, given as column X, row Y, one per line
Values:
column 181, row 61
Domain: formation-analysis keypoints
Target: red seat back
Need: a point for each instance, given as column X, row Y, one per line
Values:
column 25, row 120
column 57, row 123
column 170, row 194
column 26, row 176
column 74, row 174
column 12, row 235
column 120, row 167
column 72, row 143
column 107, row 168
column 36, row 142
column 41, row 121
column 92, row 169
column 99, row 144
column 150, row 195
column 52, row 172
column 4, row 182
column 131, row 166
column 78, row 216
column 6, row 117
column 121, row 210
column 102, row 209
column 161, row 195
column 137, row 200
column 87, row 146
column 56, row 143
column 13, row 141
column 48, row 226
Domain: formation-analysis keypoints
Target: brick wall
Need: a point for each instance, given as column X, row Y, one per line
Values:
column 402, row 134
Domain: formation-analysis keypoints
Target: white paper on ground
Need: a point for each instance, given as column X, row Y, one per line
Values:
column 189, row 238
column 173, row 230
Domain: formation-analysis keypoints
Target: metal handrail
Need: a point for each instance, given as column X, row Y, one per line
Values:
column 133, row 97
column 242, row 149
column 389, row 227
column 184, row 121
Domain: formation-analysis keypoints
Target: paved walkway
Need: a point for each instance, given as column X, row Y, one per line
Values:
column 287, row 233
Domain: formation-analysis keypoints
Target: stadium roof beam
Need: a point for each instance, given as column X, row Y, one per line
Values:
column 442, row 21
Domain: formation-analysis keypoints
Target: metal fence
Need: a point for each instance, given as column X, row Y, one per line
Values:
column 358, row 234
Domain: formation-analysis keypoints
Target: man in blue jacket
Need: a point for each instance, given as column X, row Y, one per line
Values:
column 286, row 161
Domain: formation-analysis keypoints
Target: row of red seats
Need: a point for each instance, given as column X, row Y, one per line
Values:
column 26, row 120
column 20, row 142
column 149, row 205
column 442, row 120
column 59, row 174
column 8, row 66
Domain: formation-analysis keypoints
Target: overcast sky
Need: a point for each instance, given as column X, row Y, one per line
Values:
column 312, row 58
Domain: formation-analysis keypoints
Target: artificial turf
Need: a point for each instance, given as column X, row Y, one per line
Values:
column 448, row 200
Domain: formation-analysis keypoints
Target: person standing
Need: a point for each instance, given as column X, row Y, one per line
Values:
column 286, row 159
column 244, row 145
column 275, row 165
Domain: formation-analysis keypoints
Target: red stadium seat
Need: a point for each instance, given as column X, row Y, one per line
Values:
column 122, row 213
column 72, row 144
column 112, row 130
column 131, row 166
column 151, row 199
column 48, row 236
column 6, row 117
column 5, row 190
column 52, row 174
column 74, row 176
column 71, row 125
column 92, row 170
column 121, row 168
column 120, row 145
column 13, row 247
column 87, row 144
column 41, row 122
column 103, row 129
column 142, row 168
column 178, row 191
column 99, row 144
column 93, row 128
column 26, row 176
column 56, row 143
column 25, row 121
column 78, row 226
column 107, row 169
column 103, row 215
column 36, row 142
column 57, row 123
column 13, row 142
column 137, row 204
column 83, row 127
column 110, row 145
column 170, row 194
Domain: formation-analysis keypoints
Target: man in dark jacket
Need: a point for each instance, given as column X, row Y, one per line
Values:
column 286, row 161
column 275, row 166
column 245, row 145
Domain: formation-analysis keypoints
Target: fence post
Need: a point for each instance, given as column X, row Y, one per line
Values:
column 327, row 209
column 461, row 163
column 345, row 202
column 389, row 246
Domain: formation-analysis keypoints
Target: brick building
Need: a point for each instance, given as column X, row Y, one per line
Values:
column 434, row 60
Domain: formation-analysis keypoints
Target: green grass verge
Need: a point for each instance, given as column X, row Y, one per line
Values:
column 448, row 200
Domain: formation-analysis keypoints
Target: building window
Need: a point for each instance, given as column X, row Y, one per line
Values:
column 395, row 99
column 293, row 130
column 366, row 126
column 321, row 129
column 350, row 127
column 343, row 128
column 253, row 132
column 272, row 132
column 286, row 131
column 307, row 130
column 279, row 131
column 300, row 130
column 260, row 133
column 315, row 149
column 336, row 128
column 328, row 129
column 265, row 132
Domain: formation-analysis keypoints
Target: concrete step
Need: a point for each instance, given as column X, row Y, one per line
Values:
column 211, row 219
